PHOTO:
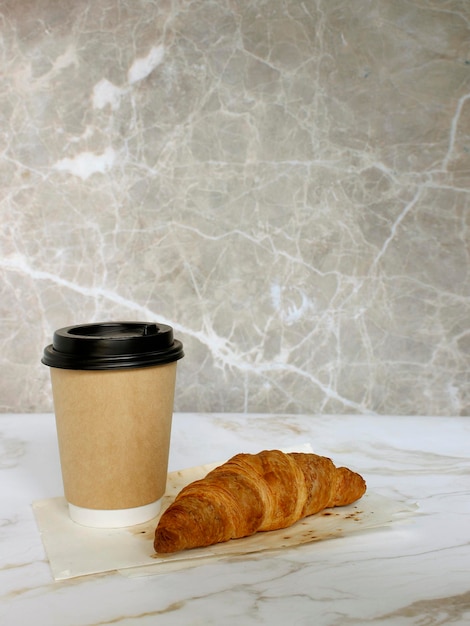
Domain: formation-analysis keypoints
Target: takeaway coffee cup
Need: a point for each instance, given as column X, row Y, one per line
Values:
column 113, row 389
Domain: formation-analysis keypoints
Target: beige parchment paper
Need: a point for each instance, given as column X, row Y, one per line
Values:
column 75, row 550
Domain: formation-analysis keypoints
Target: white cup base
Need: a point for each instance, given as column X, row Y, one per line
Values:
column 117, row 518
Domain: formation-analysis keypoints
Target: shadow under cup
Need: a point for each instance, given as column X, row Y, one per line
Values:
column 113, row 387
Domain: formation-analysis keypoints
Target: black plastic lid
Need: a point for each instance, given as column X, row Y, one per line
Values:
column 112, row 345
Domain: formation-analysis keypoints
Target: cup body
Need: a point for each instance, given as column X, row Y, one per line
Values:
column 114, row 429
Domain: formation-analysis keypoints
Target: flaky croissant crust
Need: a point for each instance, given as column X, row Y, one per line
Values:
column 252, row 493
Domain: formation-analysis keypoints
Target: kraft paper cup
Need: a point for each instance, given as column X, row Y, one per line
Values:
column 113, row 387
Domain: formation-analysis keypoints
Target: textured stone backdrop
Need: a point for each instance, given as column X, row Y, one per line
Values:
column 285, row 182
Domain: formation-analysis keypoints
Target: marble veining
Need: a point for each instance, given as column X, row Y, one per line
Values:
column 413, row 572
column 286, row 183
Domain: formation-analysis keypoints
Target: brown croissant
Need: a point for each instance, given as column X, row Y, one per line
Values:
column 251, row 493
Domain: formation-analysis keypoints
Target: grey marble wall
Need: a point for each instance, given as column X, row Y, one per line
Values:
column 285, row 182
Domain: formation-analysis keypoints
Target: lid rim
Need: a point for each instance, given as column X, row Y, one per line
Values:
column 59, row 364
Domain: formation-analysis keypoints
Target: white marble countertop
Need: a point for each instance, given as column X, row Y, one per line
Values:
column 413, row 572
